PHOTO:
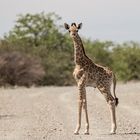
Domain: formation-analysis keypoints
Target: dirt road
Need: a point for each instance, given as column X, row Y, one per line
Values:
column 50, row 113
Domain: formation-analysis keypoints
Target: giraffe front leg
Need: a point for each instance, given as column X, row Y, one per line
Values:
column 81, row 88
column 76, row 132
column 86, row 113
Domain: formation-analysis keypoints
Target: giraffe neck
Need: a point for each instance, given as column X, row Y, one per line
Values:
column 79, row 52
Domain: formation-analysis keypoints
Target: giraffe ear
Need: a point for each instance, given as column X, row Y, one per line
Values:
column 66, row 26
column 79, row 26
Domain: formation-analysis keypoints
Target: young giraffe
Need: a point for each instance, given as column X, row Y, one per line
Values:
column 87, row 73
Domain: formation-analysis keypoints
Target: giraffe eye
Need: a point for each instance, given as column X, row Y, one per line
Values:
column 69, row 31
column 76, row 30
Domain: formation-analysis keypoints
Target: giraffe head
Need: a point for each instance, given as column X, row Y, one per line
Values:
column 73, row 29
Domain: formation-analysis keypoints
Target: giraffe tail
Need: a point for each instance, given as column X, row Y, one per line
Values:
column 114, row 88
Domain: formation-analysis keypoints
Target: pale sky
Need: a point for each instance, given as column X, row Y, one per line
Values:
column 116, row 20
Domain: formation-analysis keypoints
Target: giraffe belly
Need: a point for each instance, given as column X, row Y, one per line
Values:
column 91, row 84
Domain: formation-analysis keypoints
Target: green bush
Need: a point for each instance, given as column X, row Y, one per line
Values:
column 126, row 61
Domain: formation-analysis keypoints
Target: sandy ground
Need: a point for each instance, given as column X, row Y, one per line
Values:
column 50, row 113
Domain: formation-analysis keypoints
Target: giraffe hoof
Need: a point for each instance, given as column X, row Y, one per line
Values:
column 112, row 133
column 76, row 133
column 86, row 133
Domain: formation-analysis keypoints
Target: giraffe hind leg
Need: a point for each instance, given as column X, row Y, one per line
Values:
column 113, row 116
column 111, row 103
column 112, row 107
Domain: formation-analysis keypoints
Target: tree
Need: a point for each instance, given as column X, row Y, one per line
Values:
column 39, row 35
column 35, row 30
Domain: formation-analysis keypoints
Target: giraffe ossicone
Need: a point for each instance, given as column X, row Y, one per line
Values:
column 88, row 73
